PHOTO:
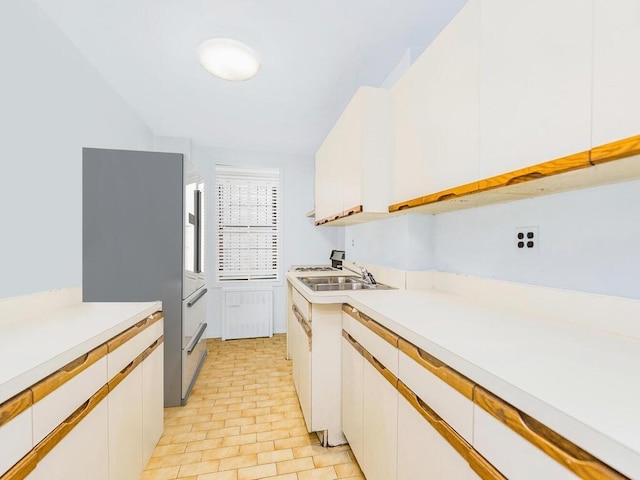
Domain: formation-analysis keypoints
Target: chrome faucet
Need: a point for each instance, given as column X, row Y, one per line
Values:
column 367, row 277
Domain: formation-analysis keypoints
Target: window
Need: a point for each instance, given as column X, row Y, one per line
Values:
column 248, row 223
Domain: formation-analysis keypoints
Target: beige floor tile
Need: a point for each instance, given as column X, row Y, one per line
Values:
column 333, row 458
column 168, row 473
column 239, row 439
column 260, row 471
column 286, row 476
column 199, row 468
column 227, row 475
column 295, row 465
column 172, row 449
column 346, row 470
column 173, row 460
column 275, row 456
column 234, row 463
column 224, row 432
column 256, row 428
column 310, row 451
column 258, row 447
column 325, row 473
column 220, row 453
column 188, row 437
column 294, row 442
column 204, row 445
column 272, row 435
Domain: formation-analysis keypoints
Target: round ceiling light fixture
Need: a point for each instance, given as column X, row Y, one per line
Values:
column 228, row 59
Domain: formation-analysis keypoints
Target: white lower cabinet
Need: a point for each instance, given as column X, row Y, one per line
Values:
column 152, row 402
column 125, row 428
column 514, row 456
column 304, row 372
column 16, row 439
column 82, row 454
column 352, row 397
column 423, row 452
column 380, row 426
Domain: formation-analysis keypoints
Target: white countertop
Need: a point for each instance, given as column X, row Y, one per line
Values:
column 32, row 348
column 581, row 382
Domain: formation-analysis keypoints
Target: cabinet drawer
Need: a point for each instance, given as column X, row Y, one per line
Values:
column 121, row 354
column 447, row 392
column 16, row 437
column 56, row 406
column 301, row 303
column 377, row 340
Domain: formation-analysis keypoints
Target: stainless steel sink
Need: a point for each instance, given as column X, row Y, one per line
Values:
column 339, row 280
column 329, row 284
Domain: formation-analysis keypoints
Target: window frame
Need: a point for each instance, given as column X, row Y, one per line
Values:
column 234, row 283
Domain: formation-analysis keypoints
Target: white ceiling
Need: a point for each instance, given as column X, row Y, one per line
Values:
column 314, row 56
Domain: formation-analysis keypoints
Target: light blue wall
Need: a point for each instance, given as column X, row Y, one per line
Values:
column 589, row 241
column 402, row 242
column 52, row 103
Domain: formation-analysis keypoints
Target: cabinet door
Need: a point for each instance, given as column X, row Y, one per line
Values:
column 616, row 102
column 535, row 83
column 409, row 178
column 380, row 426
column 125, row 428
column 304, row 381
column 352, row 397
column 152, row 401
column 83, row 453
column 425, row 453
column 439, row 104
column 328, row 175
column 350, row 161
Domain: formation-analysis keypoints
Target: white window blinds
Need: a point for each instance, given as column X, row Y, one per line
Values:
column 248, row 223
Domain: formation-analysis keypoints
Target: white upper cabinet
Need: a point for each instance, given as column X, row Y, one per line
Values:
column 436, row 110
column 535, row 82
column 616, row 71
column 353, row 163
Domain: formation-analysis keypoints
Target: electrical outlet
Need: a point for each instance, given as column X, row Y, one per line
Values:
column 527, row 239
column 353, row 242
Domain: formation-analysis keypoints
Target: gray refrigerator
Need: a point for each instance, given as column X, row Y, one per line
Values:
column 143, row 240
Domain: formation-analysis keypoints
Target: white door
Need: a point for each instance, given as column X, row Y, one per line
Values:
column 83, row 453
column 152, row 401
column 423, row 452
column 125, row 428
column 352, row 398
column 380, row 426
column 535, row 83
column 616, row 73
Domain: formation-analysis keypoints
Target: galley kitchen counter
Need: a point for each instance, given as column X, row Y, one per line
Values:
column 581, row 382
column 34, row 345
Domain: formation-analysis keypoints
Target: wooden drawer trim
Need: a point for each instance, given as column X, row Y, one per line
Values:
column 372, row 325
column 124, row 373
column 441, row 370
column 128, row 334
column 624, row 148
column 551, row 443
column 478, row 463
column 66, row 373
column 152, row 348
column 304, row 324
column 23, row 468
column 13, row 407
column 62, row 430
column 339, row 215
column 382, row 370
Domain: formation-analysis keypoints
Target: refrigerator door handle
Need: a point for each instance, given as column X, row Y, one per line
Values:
column 194, row 341
column 198, row 297
column 197, row 223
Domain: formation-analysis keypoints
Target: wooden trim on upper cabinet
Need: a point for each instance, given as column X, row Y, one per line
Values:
column 61, row 431
column 131, row 332
column 441, row 196
column 371, row 324
column 23, row 468
column 570, row 163
column 13, row 407
column 479, row 464
column 441, row 370
column 551, row 443
column 626, row 147
column 70, row 370
column 339, row 215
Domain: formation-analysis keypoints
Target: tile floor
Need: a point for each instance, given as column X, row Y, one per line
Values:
column 243, row 422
